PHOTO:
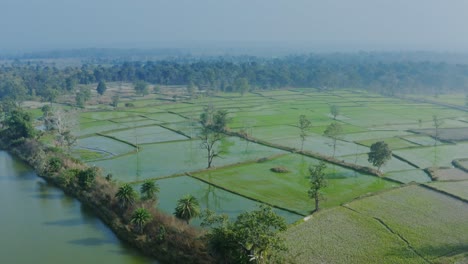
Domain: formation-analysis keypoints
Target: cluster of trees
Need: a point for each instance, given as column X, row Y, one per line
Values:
column 19, row 80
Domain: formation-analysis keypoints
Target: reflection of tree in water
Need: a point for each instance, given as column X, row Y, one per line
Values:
column 304, row 168
column 211, row 198
column 226, row 144
column 436, row 157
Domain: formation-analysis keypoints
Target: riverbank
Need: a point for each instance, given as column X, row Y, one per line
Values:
column 165, row 238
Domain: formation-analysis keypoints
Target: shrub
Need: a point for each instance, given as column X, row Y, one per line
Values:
column 54, row 164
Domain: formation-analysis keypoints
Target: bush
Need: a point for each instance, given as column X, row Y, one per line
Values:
column 54, row 164
column 87, row 177
column 279, row 170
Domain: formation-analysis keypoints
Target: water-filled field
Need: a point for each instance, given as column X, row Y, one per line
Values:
column 167, row 137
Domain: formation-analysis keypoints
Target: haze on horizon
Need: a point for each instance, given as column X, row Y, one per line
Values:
column 310, row 25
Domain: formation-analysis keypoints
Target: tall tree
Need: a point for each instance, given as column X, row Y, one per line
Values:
column 242, row 85
column 213, row 124
column 149, row 189
column 379, row 154
column 18, row 124
column 334, row 111
column 437, row 124
column 304, row 127
column 82, row 97
column 250, row 239
column 140, row 217
column 187, row 208
column 125, row 195
column 333, row 131
column 317, row 183
column 101, row 87
column 141, row 88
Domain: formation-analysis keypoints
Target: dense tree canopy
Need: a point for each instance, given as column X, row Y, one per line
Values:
column 239, row 74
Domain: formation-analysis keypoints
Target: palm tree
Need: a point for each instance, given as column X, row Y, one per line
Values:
column 125, row 195
column 187, row 208
column 149, row 189
column 140, row 217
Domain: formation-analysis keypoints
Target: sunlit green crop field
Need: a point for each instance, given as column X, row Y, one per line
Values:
column 434, row 224
column 157, row 138
column 340, row 235
column 289, row 190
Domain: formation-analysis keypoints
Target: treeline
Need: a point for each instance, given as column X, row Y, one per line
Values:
column 20, row 80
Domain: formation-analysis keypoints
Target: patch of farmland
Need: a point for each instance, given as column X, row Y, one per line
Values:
column 439, row 156
column 421, row 140
column 374, row 135
column 450, row 174
column 369, row 118
column 434, row 224
column 447, row 134
column 289, row 190
column 89, row 128
column 106, row 146
column 458, row 188
column 339, row 235
column 165, row 117
column 144, row 135
column 210, row 197
column 323, row 145
column 163, row 159
column 408, row 176
column 393, row 142
column 393, row 164
column 105, row 115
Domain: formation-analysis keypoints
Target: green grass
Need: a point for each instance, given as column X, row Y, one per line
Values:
column 340, row 235
column 289, row 190
column 434, row 224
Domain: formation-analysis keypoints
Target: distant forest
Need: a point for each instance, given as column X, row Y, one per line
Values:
column 377, row 73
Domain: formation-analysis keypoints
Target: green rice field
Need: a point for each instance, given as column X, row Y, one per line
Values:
column 364, row 217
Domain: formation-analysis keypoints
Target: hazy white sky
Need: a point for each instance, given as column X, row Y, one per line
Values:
column 326, row 24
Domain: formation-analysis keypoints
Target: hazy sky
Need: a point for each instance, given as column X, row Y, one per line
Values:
column 326, row 24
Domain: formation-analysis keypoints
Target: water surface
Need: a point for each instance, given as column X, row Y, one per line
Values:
column 40, row 224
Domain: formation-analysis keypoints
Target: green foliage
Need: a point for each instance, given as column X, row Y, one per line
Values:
column 304, row 127
column 115, row 100
column 126, row 196
column 87, row 177
column 241, row 85
column 149, row 190
column 140, row 217
column 379, row 154
column 187, row 208
column 54, row 164
column 252, row 238
column 82, row 97
column 334, row 111
column 333, row 131
column 141, row 87
column 18, row 125
column 317, row 183
column 213, row 124
column 101, row 87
